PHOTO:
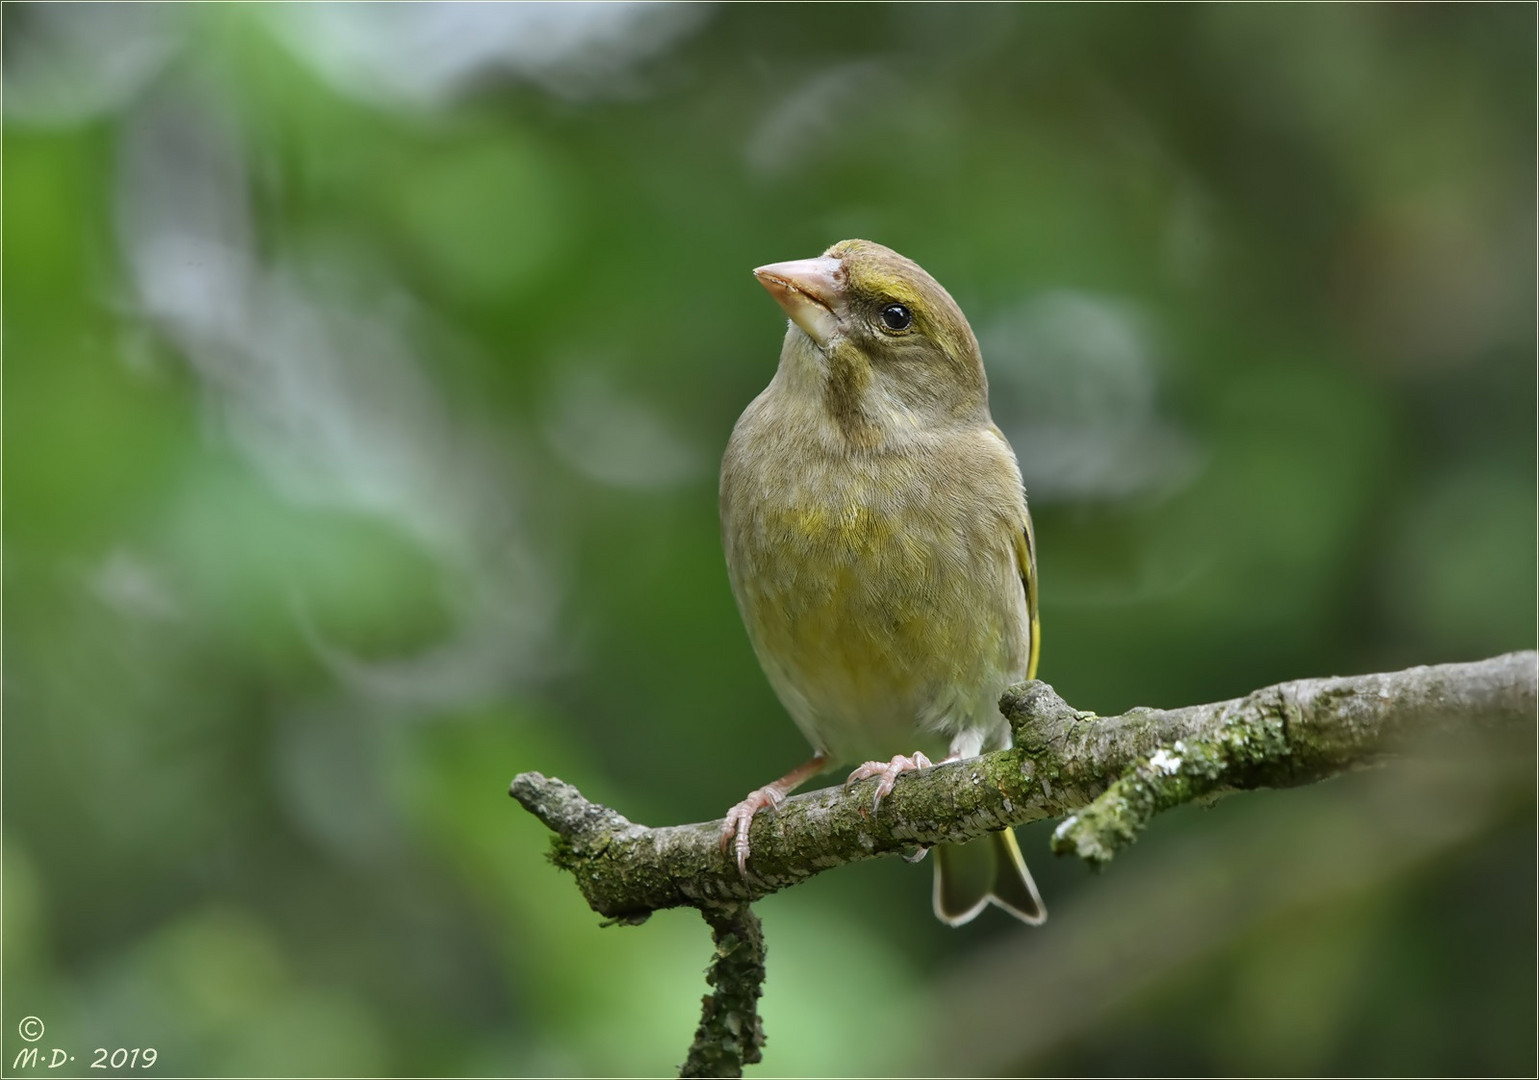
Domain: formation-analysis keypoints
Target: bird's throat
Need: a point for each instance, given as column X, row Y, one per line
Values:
column 844, row 394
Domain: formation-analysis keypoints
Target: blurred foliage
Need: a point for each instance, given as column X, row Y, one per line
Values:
column 368, row 371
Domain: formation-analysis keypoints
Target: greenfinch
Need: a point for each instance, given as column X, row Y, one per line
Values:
column 879, row 547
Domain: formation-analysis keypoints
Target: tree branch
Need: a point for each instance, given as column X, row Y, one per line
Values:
column 1110, row 775
column 730, row 1033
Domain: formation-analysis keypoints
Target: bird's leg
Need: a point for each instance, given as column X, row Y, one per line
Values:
column 968, row 743
column 740, row 817
column 889, row 771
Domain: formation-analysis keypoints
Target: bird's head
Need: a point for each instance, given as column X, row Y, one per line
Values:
column 878, row 339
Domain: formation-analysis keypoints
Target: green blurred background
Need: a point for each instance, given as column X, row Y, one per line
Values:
column 368, row 372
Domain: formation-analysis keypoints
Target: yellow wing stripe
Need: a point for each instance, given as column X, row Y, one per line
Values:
column 1027, row 552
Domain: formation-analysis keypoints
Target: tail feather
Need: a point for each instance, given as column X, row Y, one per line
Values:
column 989, row 870
column 1013, row 888
column 964, row 878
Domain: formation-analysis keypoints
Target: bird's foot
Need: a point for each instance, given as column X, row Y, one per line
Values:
column 889, row 771
column 734, row 830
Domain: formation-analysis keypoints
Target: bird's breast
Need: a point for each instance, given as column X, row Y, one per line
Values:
column 878, row 604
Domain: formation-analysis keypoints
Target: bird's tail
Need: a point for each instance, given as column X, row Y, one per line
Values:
column 968, row 877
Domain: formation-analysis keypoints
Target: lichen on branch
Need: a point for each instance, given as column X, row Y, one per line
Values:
column 1107, row 776
column 730, row 1034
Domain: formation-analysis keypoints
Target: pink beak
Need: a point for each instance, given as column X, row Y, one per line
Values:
column 812, row 293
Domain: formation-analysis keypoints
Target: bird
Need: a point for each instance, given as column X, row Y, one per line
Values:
column 879, row 547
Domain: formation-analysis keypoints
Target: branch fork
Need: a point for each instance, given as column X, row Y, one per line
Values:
column 1105, row 776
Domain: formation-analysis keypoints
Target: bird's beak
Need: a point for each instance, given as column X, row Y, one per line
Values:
column 811, row 291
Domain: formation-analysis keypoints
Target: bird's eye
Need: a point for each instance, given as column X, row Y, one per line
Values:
column 896, row 317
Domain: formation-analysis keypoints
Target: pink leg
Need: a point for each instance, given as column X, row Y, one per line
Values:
column 889, row 771
column 740, row 817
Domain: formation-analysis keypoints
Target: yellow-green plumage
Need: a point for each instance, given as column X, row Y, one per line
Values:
column 877, row 538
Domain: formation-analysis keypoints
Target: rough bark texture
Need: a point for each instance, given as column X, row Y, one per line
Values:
column 730, row 1033
column 1107, row 776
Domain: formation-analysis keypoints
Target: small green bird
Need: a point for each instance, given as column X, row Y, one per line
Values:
column 879, row 547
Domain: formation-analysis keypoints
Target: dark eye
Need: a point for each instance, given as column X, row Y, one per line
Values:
column 896, row 317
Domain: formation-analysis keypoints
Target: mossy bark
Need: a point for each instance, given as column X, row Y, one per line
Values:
column 730, row 1033
column 1106, row 776
column 1112, row 774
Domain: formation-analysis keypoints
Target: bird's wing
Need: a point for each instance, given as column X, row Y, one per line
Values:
column 1026, row 557
column 1026, row 563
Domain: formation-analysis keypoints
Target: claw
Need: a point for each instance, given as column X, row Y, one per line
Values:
column 740, row 818
column 735, row 828
column 889, row 771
